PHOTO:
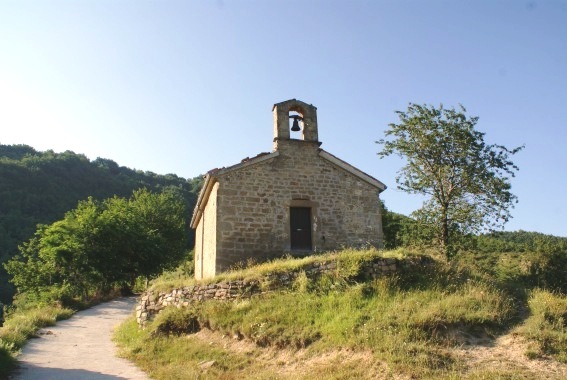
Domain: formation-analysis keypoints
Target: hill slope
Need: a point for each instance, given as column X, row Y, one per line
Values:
column 430, row 320
column 39, row 187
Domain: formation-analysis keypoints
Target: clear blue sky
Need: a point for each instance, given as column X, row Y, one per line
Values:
column 185, row 86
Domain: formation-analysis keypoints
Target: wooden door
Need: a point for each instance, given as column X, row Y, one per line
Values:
column 300, row 228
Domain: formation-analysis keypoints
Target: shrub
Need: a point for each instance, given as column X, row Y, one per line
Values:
column 547, row 270
column 175, row 321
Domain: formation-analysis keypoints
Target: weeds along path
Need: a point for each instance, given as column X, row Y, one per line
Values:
column 504, row 355
column 80, row 347
column 297, row 364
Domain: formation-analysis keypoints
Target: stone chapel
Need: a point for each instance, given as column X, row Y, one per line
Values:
column 298, row 199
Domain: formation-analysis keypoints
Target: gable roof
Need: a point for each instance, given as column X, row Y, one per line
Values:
column 293, row 101
column 244, row 163
column 352, row 170
column 212, row 177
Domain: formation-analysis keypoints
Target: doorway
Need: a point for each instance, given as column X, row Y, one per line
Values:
column 300, row 228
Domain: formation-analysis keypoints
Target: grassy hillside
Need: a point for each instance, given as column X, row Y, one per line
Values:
column 39, row 187
column 442, row 321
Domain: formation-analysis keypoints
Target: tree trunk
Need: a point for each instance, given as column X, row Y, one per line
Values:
column 445, row 244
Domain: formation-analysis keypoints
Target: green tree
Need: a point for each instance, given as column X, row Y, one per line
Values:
column 396, row 229
column 145, row 234
column 466, row 181
column 99, row 245
column 40, row 187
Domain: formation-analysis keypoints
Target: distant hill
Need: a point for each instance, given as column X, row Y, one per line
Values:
column 521, row 241
column 401, row 230
column 39, row 187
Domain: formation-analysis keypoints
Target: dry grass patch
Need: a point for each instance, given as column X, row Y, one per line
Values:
column 506, row 357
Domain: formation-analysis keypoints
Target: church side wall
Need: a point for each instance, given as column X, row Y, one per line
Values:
column 199, row 249
column 206, row 238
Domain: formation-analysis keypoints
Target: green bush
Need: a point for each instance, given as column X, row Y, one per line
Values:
column 174, row 321
column 101, row 245
column 547, row 270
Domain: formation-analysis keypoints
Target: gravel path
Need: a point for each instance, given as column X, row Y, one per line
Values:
column 80, row 347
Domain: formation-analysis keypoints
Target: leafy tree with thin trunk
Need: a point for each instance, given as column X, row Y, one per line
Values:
column 465, row 180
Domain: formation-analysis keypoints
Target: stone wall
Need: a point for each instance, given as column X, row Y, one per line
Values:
column 206, row 238
column 253, row 204
column 152, row 303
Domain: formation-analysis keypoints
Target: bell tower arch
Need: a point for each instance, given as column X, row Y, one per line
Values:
column 304, row 117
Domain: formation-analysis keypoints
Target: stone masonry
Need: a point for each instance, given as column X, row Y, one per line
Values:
column 152, row 303
column 243, row 212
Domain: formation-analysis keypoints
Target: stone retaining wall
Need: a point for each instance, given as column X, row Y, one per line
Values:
column 152, row 303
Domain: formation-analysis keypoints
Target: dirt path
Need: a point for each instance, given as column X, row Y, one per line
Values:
column 80, row 347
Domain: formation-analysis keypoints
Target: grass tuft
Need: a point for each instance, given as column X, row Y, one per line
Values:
column 405, row 320
column 546, row 327
column 23, row 325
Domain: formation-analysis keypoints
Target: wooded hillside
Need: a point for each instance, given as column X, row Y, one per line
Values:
column 40, row 187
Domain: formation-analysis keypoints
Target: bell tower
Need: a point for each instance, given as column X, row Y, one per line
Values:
column 304, row 118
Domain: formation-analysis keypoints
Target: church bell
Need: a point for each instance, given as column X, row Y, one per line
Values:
column 295, row 126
